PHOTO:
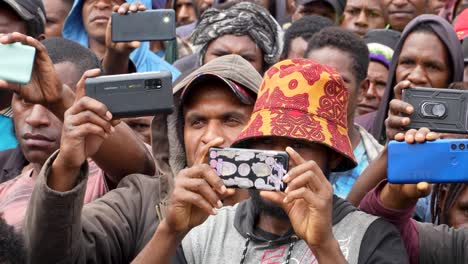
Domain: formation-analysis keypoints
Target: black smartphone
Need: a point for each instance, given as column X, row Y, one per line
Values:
column 250, row 168
column 440, row 110
column 135, row 94
column 147, row 25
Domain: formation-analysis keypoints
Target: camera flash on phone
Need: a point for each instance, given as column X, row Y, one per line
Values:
column 166, row 20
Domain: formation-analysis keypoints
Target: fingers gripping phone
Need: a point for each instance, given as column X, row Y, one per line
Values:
column 440, row 161
column 250, row 168
column 440, row 110
column 16, row 62
column 144, row 26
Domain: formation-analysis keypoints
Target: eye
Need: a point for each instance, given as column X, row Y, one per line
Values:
column 374, row 14
column 232, row 122
column 197, row 124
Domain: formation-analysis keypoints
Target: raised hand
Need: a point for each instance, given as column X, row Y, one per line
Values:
column 308, row 201
column 395, row 122
column 197, row 193
column 123, row 47
column 45, row 87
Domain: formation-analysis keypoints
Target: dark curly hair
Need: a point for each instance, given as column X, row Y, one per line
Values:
column 12, row 249
column 346, row 41
column 305, row 28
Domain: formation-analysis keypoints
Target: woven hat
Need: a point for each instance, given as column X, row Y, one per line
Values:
column 302, row 99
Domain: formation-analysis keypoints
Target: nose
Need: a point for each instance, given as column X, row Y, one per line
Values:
column 38, row 117
column 102, row 4
column 418, row 77
column 183, row 13
column 212, row 131
column 371, row 91
column 362, row 19
column 400, row 3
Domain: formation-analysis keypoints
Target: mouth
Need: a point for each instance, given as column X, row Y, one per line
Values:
column 369, row 108
column 401, row 13
column 100, row 19
column 37, row 140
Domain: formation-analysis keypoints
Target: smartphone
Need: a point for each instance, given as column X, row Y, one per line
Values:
column 250, row 168
column 133, row 95
column 440, row 110
column 440, row 161
column 16, row 62
column 147, row 25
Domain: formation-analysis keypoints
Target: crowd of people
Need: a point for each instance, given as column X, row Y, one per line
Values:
column 320, row 79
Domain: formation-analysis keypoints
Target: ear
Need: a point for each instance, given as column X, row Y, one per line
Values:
column 41, row 37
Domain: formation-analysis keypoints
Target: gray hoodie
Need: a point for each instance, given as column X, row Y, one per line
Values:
column 231, row 236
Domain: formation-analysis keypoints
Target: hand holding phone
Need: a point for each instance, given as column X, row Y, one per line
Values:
column 44, row 86
column 250, row 168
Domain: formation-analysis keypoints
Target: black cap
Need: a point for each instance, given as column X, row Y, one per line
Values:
column 32, row 12
column 338, row 5
column 385, row 37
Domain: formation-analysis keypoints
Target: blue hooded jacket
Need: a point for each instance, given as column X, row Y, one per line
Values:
column 144, row 59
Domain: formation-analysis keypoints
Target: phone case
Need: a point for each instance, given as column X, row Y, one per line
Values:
column 135, row 94
column 147, row 25
column 249, row 168
column 16, row 62
column 441, row 110
column 440, row 161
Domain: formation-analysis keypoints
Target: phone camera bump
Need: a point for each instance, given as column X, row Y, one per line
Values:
column 153, row 84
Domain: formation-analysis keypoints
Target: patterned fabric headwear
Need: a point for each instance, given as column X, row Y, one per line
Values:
column 301, row 99
column 241, row 19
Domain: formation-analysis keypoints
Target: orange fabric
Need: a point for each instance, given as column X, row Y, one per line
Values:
column 302, row 99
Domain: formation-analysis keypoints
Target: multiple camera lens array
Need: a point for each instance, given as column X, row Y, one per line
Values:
column 461, row 146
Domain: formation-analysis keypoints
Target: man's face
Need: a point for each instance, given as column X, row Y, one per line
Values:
column 185, row 12
column 319, row 8
column 297, row 48
column 10, row 21
column 37, row 129
column 214, row 112
column 342, row 62
column 244, row 47
column 96, row 15
column 363, row 15
column 57, row 11
column 458, row 214
column 423, row 61
column 370, row 98
column 308, row 151
column 401, row 12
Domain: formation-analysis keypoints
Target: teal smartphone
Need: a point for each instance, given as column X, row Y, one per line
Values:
column 16, row 62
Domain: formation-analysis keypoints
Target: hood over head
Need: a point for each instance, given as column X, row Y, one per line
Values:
column 145, row 60
column 167, row 137
column 449, row 38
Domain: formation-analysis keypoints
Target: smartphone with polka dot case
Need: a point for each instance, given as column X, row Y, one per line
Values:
column 250, row 168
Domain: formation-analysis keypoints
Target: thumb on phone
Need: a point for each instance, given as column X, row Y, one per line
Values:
column 80, row 86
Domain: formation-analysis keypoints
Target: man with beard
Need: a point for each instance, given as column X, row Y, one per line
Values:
column 301, row 107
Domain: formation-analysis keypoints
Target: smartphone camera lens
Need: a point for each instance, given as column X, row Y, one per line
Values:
column 461, row 146
column 454, row 147
column 153, row 84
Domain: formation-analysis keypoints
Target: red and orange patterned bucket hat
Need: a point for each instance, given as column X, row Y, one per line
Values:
column 302, row 99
